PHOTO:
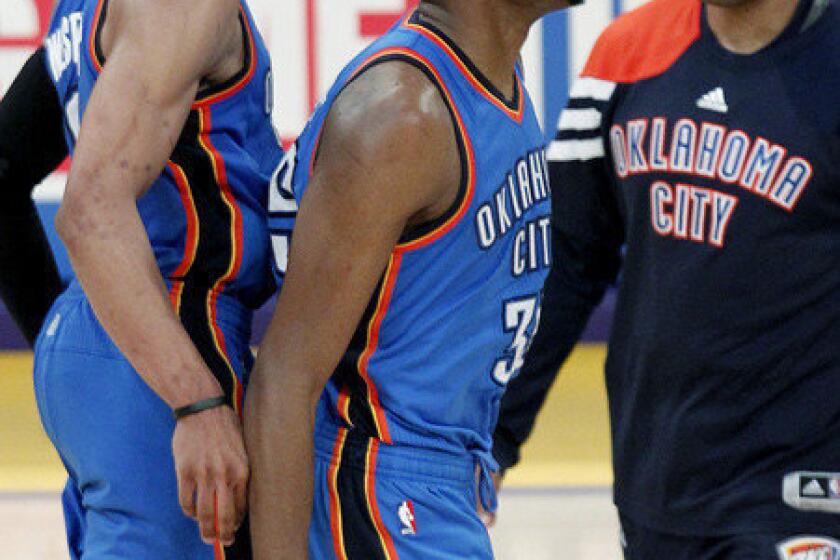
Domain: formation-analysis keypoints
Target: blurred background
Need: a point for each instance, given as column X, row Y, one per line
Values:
column 557, row 502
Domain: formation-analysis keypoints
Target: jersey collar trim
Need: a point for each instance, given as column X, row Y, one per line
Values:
column 514, row 107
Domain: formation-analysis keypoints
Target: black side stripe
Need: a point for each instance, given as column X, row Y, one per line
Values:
column 361, row 540
column 360, row 412
column 214, row 252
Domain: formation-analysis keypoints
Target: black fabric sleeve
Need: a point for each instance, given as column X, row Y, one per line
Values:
column 32, row 145
column 587, row 235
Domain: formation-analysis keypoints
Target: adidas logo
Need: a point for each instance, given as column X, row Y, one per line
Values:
column 813, row 488
column 715, row 100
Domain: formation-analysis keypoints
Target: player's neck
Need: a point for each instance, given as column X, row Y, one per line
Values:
column 490, row 33
column 749, row 27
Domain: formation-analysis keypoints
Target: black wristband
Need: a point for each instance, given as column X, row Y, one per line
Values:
column 199, row 406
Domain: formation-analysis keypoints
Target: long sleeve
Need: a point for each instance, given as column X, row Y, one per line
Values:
column 587, row 234
column 32, row 145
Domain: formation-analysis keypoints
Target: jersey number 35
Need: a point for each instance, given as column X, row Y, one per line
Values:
column 520, row 316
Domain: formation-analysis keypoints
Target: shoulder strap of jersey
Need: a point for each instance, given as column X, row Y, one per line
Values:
column 429, row 232
column 445, row 48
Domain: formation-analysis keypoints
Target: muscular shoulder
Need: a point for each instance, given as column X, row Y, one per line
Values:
column 143, row 14
column 392, row 117
column 392, row 101
column 389, row 136
column 645, row 42
column 153, row 22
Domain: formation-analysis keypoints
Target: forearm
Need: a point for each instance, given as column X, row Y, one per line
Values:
column 114, row 262
column 279, row 420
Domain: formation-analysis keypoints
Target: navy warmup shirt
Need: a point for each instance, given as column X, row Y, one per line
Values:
column 720, row 176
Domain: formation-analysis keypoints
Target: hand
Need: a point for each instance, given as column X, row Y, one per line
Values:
column 212, row 470
column 487, row 517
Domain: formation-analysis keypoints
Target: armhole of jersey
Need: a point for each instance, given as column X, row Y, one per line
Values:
column 97, row 57
column 236, row 82
column 427, row 229
column 205, row 96
column 428, row 232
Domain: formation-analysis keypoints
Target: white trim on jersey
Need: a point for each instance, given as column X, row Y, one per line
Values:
column 580, row 119
column 576, row 150
column 592, row 88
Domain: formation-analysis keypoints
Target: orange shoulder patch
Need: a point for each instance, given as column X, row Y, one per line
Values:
column 645, row 42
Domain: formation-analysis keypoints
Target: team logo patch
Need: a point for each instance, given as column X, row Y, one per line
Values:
column 409, row 522
column 812, row 491
column 809, row 548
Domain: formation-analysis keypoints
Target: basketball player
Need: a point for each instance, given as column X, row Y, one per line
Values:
column 164, row 222
column 706, row 137
column 412, row 292
column 34, row 140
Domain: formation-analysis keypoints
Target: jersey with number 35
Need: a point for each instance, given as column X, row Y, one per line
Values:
column 455, row 310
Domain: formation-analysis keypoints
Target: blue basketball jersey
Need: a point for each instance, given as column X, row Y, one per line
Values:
column 206, row 214
column 63, row 46
column 455, row 310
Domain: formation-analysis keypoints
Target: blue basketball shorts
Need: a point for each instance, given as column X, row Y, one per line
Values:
column 114, row 435
column 379, row 502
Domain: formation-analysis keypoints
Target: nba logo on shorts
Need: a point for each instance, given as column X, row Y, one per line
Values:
column 406, row 513
column 809, row 548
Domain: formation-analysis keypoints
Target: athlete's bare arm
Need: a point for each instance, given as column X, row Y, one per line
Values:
column 388, row 159
column 158, row 53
